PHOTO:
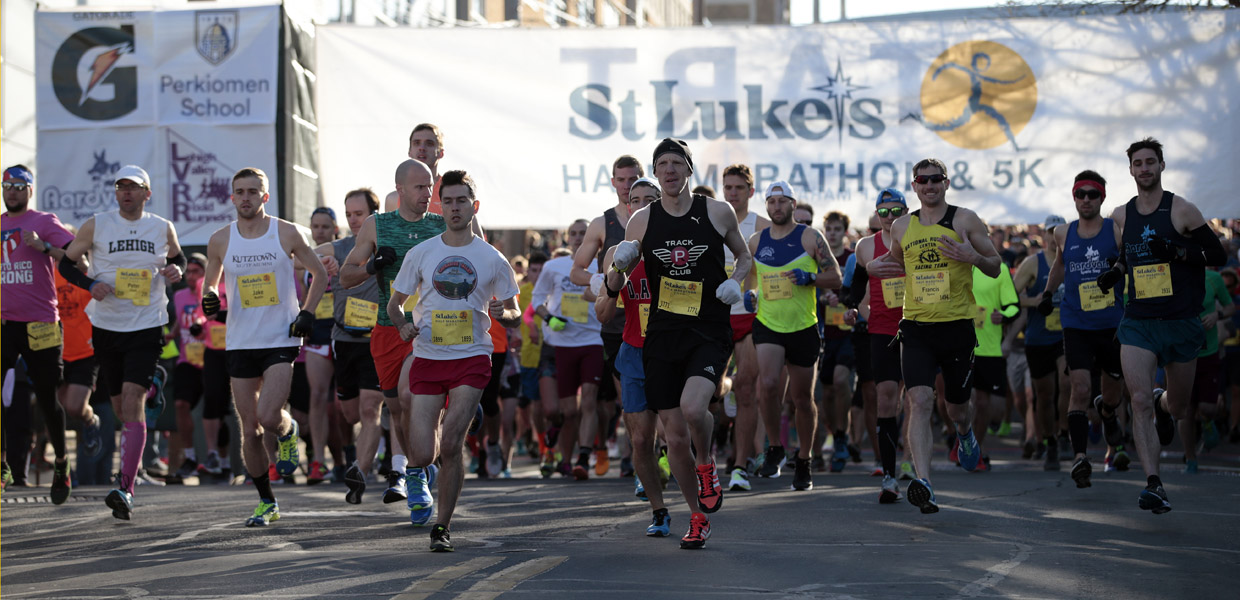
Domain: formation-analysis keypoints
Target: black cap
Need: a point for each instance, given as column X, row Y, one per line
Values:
column 674, row 145
column 197, row 257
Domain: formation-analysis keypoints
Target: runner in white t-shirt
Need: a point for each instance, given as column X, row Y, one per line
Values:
column 461, row 281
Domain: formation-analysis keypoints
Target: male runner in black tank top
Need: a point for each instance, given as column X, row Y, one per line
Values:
column 688, row 337
column 1166, row 246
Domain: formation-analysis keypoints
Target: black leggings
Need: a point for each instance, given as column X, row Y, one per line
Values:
column 44, row 369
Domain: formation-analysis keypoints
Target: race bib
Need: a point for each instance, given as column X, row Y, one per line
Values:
column 981, row 315
column 1092, row 297
column 409, row 304
column 835, row 316
column 325, row 306
column 135, row 285
column 219, row 333
column 452, row 327
column 258, row 290
column 776, row 286
column 42, row 336
column 1052, row 321
column 360, row 313
column 680, row 297
column 574, row 308
column 643, row 315
column 1152, row 281
column 194, row 352
column 1233, row 340
column 893, row 292
column 931, row 287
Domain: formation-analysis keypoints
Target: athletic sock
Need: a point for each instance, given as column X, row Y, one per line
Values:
column 399, row 463
column 133, row 438
column 888, row 430
column 262, row 483
column 1078, row 430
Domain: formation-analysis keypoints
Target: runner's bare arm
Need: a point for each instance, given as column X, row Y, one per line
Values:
column 353, row 271
column 173, row 272
column 82, row 242
column 506, row 312
column 295, row 245
column 829, row 277
column 723, row 216
column 975, row 247
column 604, row 305
column 891, row 264
column 1055, row 278
column 580, row 273
column 216, row 247
column 75, row 255
column 1024, row 277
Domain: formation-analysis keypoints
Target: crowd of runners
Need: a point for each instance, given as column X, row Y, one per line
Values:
column 688, row 335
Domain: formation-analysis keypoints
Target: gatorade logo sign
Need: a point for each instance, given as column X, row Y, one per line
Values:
column 978, row 95
column 92, row 74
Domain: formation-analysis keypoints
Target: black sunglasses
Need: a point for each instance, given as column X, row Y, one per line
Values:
column 13, row 185
column 1083, row 194
column 894, row 211
column 924, row 179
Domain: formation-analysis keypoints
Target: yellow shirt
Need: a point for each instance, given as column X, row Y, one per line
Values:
column 937, row 289
column 530, row 352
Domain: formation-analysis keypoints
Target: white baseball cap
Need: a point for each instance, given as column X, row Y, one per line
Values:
column 135, row 174
column 779, row 188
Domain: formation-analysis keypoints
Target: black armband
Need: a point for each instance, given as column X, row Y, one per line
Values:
column 610, row 292
column 68, row 269
column 856, row 292
column 1212, row 252
column 179, row 261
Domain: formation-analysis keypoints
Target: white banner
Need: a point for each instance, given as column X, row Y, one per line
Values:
column 80, row 182
column 1015, row 108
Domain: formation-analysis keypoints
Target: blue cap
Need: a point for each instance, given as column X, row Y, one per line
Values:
column 18, row 173
column 890, row 195
column 324, row 210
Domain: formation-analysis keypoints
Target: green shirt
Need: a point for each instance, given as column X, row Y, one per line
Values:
column 393, row 231
column 1216, row 290
column 990, row 294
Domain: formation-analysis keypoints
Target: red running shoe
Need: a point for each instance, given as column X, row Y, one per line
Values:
column 699, row 532
column 710, row 492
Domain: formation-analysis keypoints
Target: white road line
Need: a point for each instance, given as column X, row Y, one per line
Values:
column 428, row 586
column 997, row 573
column 504, row 581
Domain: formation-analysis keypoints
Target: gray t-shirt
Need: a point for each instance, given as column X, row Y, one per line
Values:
column 352, row 323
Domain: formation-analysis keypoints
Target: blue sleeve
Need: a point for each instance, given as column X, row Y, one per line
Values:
column 849, row 266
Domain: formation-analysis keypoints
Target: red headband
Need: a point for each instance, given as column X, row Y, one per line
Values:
column 1084, row 182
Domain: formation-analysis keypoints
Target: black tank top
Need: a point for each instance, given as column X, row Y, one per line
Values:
column 613, row 233
column 684, row 265
column 1158, row 289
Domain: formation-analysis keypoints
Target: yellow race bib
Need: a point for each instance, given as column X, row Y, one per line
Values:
column 219, row 333
column 360, row 313
column 931, row 287
column 680, row 297
column 194, row 352
column 135, row 285
column 325, row 307
column 643, row 315
column 574, row 308
column 893, row 292
column 452, row 327
column 42, row 336
column 981, row 315
column 1152, row 281
column 835, row 315
column 1092, row 297
column 776, row 286
column 1052, row 321
column 258, row 290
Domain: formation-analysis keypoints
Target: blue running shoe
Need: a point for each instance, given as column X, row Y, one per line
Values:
column 969, row 452
column 840, row 456
column 92, row 438
column 288, row 457
column 155, row 396
column 432, row 472
column 266, row 512
column 421, row 503
column 660, row 524
column 121, row 503
column 921, row 495
column 1154, row 498
column 640, row 491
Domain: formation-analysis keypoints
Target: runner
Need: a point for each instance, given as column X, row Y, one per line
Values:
column 996, row 304
column 426, row 147
column 460, row 281
column 681, row 239
column 1216, row 308
column 886, row 302
column 255, row 256
column 940, row 243
column 791, row 262
column 187, row 330
column 837, row 360
column 33, row 242
column 319, row 366
column 1167, row 245
column 81, row 369
column 133, row 255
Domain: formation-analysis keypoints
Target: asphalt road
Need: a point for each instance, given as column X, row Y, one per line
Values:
column 1015, row 532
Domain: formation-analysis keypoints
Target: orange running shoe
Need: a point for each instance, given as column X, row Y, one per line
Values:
column 699, row 532
column 710, row 492
column 601, row 462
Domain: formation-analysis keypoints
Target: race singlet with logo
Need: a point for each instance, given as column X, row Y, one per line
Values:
column 393, row 231
column 129, row 255
column 784, row 306
column 262, row 290
column 1158, row 289
column 684, row 266
column 936, row 288
column 1084, row 306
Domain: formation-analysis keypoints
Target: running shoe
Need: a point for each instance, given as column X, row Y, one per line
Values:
column 441, row 539
column 1121, row 459
column 213, row 466
column 564, row 468
column 699, row 532
column 421, row 503
column 272, row 474
column 355, row 480
column 801, row 479
column 432, row 473
column 495, row 460
column 1190, row 466
column 581, row 472
column 317, row 475
column 155, row 396
column 6, row 476
column 397, row 490
column 626, row 467
column 890, row 492
column 1081, row 470
column 660, row 524
column 264, row 514
column 121, row 503
column 1005, row 429
column 1154, row 498
column 602, row 463
column 1210, row 436
column 877, row 471
column 906, row 471
column 1052, row 456
column 287, row 454
column 983, row 465
column 969, row 452
column 839, row 458
column 640, row 490
column 60, row 483
column 710, row 492
column 665, row 469
column 188, row 468
column 739, row 481
column 773, row 462
column 546, row 466
column 92, row 438
column 854, row 453
column 476, row 424
column 921, row 495
column 1111, row 428
column 818, row 464
column 1027, row 451
column 1164, row 423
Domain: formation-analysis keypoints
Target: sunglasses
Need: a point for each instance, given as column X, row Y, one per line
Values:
column 20, row 187
column 924, row 179
column 894, row 211
column 129, row 186
column 1083, row 194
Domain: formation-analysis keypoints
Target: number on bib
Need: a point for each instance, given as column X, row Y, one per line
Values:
column 135, row 285
column 931, row 287
column 258, row 290
column 893, row 292
column 776, row 286
column 574, row 308
column 1152, row 281
column 42, row 336
column 325, row 306
column 680, row 297
column 452, row 327
column 360, row 313
column 1092, row 297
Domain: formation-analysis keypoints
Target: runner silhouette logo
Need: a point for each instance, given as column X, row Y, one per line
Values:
column 978, row 95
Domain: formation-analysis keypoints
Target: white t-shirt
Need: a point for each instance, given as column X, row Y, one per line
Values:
column 454, row 287
column 564, row 300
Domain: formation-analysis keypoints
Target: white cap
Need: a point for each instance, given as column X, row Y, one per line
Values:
column 135, row 174
column 779, row 188
column 1053, row 221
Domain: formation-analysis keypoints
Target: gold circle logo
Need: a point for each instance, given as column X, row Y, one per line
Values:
column 978, row 95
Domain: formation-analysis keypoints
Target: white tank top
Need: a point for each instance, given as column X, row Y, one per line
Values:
column 262, row 293
column 128, row 255
column 747, row 228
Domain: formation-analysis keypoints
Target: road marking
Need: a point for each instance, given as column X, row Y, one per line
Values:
column 428, row 586
column 504, row 581
column 997, row 573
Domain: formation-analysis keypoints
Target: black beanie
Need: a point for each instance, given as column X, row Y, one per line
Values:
column 674, row 145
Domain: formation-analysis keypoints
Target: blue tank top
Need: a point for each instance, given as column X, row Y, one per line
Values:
column 1036, row 333
column 1159, row 289
column 1084, row 259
